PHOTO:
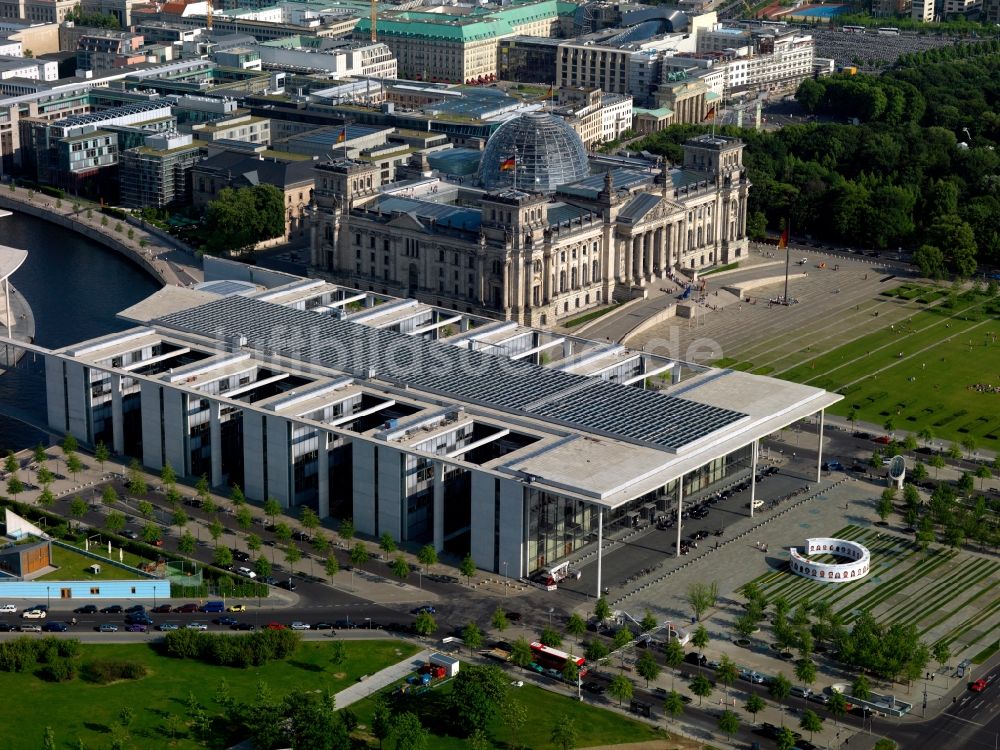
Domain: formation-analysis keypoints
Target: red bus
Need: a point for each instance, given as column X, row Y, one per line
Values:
column 546, row 657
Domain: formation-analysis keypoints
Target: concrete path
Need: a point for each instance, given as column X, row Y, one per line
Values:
column 373, row 683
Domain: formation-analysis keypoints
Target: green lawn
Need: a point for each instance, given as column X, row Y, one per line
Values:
column 929, row 385
column 596, row 726
column 75, row 567
column 80, row 710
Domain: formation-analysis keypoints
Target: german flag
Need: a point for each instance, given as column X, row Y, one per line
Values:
column 342, row 135
column 783, row 242
column 710, row 116
column 507, row 164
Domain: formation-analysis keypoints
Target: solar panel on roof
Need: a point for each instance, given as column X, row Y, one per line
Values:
column 452, row 372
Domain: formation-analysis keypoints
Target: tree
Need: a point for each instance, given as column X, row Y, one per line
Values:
column 941, row 653
column 346, row 530
column 215, row 530
column 699, row 639
column 467, row 568
column 359, row 556
column 472, row 637
column 108, row 495
column 701, row 687
column 236, row 496
column 310, row 521
column 811, row 722
column 167, row 475
column 186, row 544
column 726, row 673
column 254, row 543
column 407, row 732
column 954, row 452
column 222, row 557
column 647, row 668
column 292, row 555
column 576, row 626
column 45, row 498
column 965, row 483
column 400, row 568
column 74, row 465
column 729, row 723
column 520, row 653
column 387, row 544
column 701, row 597
column 673, row 704
column 150, row 533
column 779, row 689
column 571, row 672
column 885, row 504
column 424, row 624
column 39, row 454
column 427, row 556
column 69, row 444
column 179, row 519
column 272, row 509
column 244, row 517
column 514, row 715
column 262, row 567
column 673, row 654
column 136, row 481
column 648, row 622
column 861, row 689
column 919, row 471
column 477, row 693
column 983, row 472
column 48, row 739
column 331, row 566
column 805, row 672
column 320, row 545
column 550, row 637
column 620, row 687
column 114, row 522
column 381, row 720
column 564, row 734
column 837, row 705
column 754, row 705
column 602, row 611
column 930, row 260
column 595, row 650
column 77, row 508
column 240, row 218
column 283, row 532
column 499, row 621
column 785, row 739
column 101, row 454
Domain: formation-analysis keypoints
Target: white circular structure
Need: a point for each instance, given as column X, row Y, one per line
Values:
column 858, row 555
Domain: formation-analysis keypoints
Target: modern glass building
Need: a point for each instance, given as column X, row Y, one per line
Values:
column 536, row 152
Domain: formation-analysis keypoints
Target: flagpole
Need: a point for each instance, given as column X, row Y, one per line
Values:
column 346, row 157
column 515, row 168
column 788, row 256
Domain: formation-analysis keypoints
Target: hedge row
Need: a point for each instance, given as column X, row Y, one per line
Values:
column 24, row 653
column 250, row 650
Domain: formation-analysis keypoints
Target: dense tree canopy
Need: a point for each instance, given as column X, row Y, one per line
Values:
column 921, row 168
column 238, row 219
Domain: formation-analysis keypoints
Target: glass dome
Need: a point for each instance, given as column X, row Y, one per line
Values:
column 546, row 153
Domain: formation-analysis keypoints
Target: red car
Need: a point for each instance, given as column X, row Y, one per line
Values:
column 882, row 439
column 978, row 686
column 189, row 607
column 162, row 609
column 276, row 626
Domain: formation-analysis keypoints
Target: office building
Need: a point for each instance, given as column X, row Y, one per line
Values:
column 157, row 173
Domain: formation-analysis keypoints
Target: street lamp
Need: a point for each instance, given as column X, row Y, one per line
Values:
column 551, row 610
column 368, row 623
column 506, row 583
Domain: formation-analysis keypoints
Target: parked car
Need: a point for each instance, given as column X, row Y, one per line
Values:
column 107, row 627
column 186, row 608
column 138, row 618
column 86, row 609
column 276, row 626
column 800, row 692
column 423, row 608
column 751, row 676
column 300, row 625
column 33, row 614
column 130, row 534
column 245, row 571
column 135, row 608
column 323, row 626
column 225, row 620
column 196, row 626
column 345, row 625
column 593, row 687
column 165, row 626
column 30, row 628
column 882, row 439
column 821, row 698
column 136, row 627
column 243, row 626
column 833, row 465
column 513, row 616
column 8, row 608
column 162, row 609
column 55, row 627
column 240, row 555
column 113, row 609
column 237, row 608
column 287, row 584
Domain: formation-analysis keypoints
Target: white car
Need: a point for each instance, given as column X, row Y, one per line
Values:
column 30, row 629
column 246, row 572
column 8, row 608
column 196, row 626
column 33, row 614
column 300, row 625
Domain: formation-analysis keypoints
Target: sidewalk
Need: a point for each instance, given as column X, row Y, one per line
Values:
column 373, row 683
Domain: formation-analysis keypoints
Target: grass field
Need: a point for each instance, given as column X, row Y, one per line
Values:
column 950, row 596
column 918, row 373
column 76, row 567
column 81, row 710
column 595, row 726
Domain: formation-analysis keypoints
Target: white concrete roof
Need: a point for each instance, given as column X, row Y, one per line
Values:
column 11, row 258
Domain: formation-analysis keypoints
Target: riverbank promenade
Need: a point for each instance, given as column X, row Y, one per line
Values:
column 170, row 263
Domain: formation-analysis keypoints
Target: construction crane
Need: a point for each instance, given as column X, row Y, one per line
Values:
column 374, row 19
column 208, row 15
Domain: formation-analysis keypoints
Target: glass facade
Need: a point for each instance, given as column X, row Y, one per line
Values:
column 546, row 153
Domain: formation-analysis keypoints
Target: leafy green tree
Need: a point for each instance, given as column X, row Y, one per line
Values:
column 74, row 465
column 780, row 688
column 885, row 503
column 45, row 476
column 101, row 454
column 673, row 657
column 701, row 687
column 595, row 650
column 114, row 522
column 576, row 626
column 179, row 519
column 729, row 723
column 262, row 567
column 861, row 689
column 400, row 568
column 570, row 672
column 427, row 556
column 136, row 481
column 346, row 530
column 937, row 461
column 244, row 517
column 805, row 672
column 222, row 557
column 272, row 509
column 699, row 639
column 254, row 543
column 424, row 624
column 673, row 704
column 646, row 667
column 550, row 637
column 48, row 739
column 167, row 475
column 811, row 722
column 941, row 653
column 620, row 688
column 754, row 705
column 467, row 568
column 407, row 732
column 150, row 533
column 785, row 739
column 726, row 673
column 69, row 444
column 45, row 498
column 331, row 566
column 702, row 596
column 238, row 219
column 39, row 455
column 919, row 471
column 514, row 715
column 236, row 496
column 499, row 621
column 77, row 508
column 648, row 622
column 520, row 653
column 292, row 555
column 472, row 637
column 310, row 521
column 564, row 734
column 387, row 544
column 477, row 693
column 602, row 611
column 983, row 472
column 186, row 544
column 215, row 530
column 381, row 720
column 930, row 261
column 283, row 533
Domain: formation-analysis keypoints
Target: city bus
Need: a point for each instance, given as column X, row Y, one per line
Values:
column 889, row 31
column 552, row 660
column 853, row 29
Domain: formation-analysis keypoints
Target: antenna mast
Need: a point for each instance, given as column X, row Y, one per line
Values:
column 208, row 15
column 374, row 20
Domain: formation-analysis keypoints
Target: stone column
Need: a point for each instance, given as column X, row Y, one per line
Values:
column 680, row 504
column 600, row 552
column 754, row 450
column 819, row 447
